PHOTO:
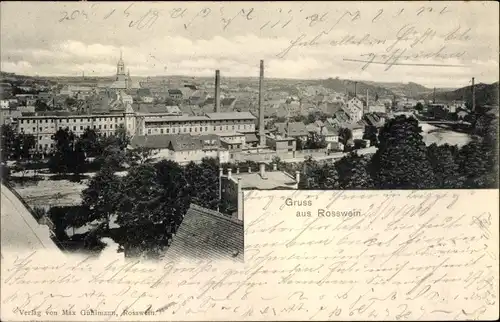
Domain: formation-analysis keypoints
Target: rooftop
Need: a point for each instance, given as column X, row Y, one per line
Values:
column 207, row 234
column 19, row 229
column 275, row 179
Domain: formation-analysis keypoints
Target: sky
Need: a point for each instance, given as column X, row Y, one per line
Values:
column 439, row 44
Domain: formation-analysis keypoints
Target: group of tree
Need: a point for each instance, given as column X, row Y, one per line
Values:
column 91, row 151
column 149, row 202
column 403, row 161
column 16, row 145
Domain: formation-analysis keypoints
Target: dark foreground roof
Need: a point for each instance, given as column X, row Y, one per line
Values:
column 207, row 234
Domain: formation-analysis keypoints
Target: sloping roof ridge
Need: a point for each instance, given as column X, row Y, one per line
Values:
column 213, row 213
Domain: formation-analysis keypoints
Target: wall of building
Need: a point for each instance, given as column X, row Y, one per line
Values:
column 198, row 126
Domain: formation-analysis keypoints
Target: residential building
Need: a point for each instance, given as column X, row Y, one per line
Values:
column 296, row 130
column 376, row 107
column 354, row 109
column 175, row 94
column 4, row 104
column 182, row 148
column 281, row 143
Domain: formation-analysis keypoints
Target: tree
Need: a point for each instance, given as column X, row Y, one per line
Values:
column 299, row 144
column 8, row 142
column 155, row 199
column 442, row 160
column 315, row 141
column 401, row 159
column 77, row 160
column 371, row 134
column 121, row 137
column 139, row 155
column 354, row 172
column 61, row 161
column 113, row 157
column 204, row 180
column 41, row 106
column 90, row 142
column 318, row 177
column 473, row 165
column 419, row 107
column 102, row 195
column 70, row 102
column 345, row 136
column 24, row 145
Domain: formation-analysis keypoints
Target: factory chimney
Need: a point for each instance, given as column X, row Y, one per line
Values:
column 367, row 102
column 355, row 89
column 262, row 134
column 217, row 91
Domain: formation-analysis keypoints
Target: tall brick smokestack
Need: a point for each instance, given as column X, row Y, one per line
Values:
column 262, row 135
column 367, row 102
column 217, row 91
column 355, row 89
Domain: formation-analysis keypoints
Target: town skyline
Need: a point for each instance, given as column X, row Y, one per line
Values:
column 450, row 51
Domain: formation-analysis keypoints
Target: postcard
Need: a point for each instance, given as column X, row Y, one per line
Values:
column 249, row 161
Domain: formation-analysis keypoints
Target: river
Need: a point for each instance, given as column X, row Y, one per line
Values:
column 433, row 134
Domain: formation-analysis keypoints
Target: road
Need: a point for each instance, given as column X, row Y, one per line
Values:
column 332, row 156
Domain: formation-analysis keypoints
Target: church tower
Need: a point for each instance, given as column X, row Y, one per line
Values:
column 120, row 68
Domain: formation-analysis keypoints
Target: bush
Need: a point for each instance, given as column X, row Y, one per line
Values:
column 359, row 144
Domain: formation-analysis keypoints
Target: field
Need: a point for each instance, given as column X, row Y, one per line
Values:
column 48, row 193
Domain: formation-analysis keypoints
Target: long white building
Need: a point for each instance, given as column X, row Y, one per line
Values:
column 45, row 126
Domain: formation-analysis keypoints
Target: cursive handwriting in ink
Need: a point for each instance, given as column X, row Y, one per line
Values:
column 147, row 20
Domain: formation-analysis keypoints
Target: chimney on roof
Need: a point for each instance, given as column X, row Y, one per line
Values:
column 240, row 200
column 217, row 91
column 262, row 170
column 262, row 134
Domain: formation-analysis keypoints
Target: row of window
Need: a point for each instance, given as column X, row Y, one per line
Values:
column 100, row 127
column 86, row 120
column 191, row 130
column 221, row 128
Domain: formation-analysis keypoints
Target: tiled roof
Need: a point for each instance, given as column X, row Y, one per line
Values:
column 175, row 142
column 297, row 128
column 250, row 137
column 207, row 234
column 231, row 116
column 174, row 91
column 150, row 141
column 227, row 101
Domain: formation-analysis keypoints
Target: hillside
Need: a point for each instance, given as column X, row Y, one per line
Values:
column 341, row 85
column 486, row 94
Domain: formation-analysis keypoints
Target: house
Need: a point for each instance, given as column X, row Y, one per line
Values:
column 354, row 109
column 175, row 94
column 376, row 107
column 207, row 234
column 281, row 143
column 4, row 104
column 374, row 119
column 331, row 108
column 228, row 103
column 198, row 97
column 182, row 148
column 462, row 115
column 297, row 130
